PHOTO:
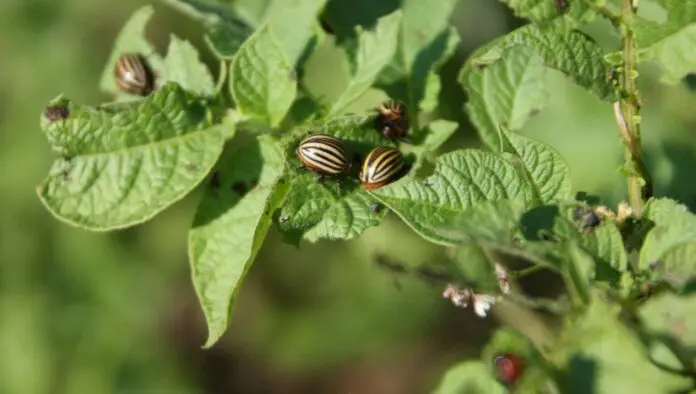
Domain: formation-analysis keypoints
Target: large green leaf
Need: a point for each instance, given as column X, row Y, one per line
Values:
column 505, row 93
column 461, row 179
column 545, row 168
column 225, row 29
column 231, row 224
column 569, row 51
column 601, row 355
column 122, row 164
column 671, row 42
column 673, row 318
column 131, row 38
column 328, row 210
column 470, row 377
column 263, row 80
column 375, row 49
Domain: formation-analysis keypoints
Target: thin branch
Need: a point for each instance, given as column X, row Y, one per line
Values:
column 627, row 114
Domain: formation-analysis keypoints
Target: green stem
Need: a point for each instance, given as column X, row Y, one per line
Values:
column 627, row 112
column 613, row 17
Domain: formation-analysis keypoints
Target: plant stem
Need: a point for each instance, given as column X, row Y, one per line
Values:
column 627, row 111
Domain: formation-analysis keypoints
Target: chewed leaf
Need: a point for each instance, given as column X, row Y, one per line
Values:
column 461, row 180
column 231, row 224
column 505, row 93
column 670, row 43
column 263, row 80
column 329, row 210
column 123, row 164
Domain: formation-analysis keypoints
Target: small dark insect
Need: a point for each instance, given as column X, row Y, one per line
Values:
column 325, row 25
column 588, row 218
column 56, row 112
column 323, row 154
column 392, row 121
column 508, row 368
column 133, row 74
column 376, row 207
column 380, row 167
column 561, row 5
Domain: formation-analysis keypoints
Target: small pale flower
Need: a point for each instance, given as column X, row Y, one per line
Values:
column 482, row 304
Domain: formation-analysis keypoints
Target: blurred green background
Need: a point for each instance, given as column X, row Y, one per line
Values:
column 115, row 312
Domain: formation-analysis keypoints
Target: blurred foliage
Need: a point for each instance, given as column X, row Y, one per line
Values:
column 115, row 313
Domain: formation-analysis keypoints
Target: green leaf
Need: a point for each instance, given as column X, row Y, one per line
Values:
column 122, row 164
column 475, row 268
column 461, row 180
column 294, row 23
column 673, row 318
column 602, row 355
column 668, row 247
column 225, row 29
column 470, row 377
column 569, row 51
column 544, row 10
column 492, row 222
column 374, row 51
column 131, row 38
column 426, row 41
column 439, row 131
column 230, row 227
column 263, row 80
column 545, row 168
column 184, row 67
column 670, row 43
column 505, row 93
column 326, row 210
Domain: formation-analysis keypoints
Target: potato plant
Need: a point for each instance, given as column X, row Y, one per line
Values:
column 627, row 318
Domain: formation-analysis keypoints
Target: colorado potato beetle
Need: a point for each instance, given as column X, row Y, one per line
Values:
column 323, row 154
column 380, row 167
column 133, row 74
column 391, row 120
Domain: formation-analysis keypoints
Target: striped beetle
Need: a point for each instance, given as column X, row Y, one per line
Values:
column 323, row 154
column 133, row 74
column 380, row 167
column 392, row 121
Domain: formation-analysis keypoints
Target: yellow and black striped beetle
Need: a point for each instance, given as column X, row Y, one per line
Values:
column 380, row 167
column 391, row 120
column 323, row 154
column 133, row 74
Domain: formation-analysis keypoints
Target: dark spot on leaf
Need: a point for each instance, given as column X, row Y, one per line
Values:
column 56, row 112
column 239, row 188
column 325, row 25
column 215, row 181
column 479, row 64
column 191, row 167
